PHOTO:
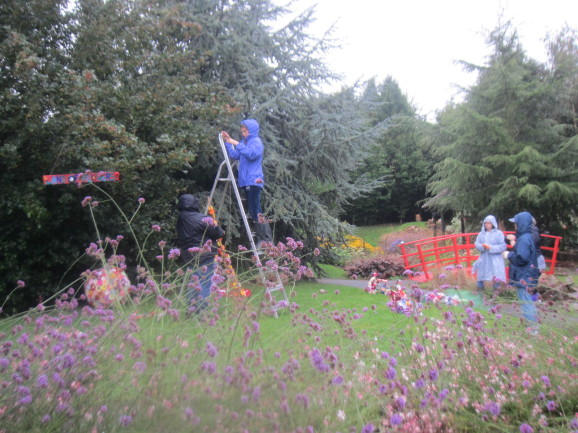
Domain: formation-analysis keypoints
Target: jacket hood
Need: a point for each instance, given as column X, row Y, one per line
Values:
column 523, row 221
column 490, row 219
column 252, row 126
column 188, row 202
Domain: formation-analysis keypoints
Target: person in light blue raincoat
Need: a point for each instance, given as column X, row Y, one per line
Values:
column 491, row 244
column 524, row 272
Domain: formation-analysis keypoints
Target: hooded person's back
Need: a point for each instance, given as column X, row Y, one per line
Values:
column 193, row 230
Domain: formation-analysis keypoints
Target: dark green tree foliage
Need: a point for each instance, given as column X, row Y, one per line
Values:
column 509, row 147
column 399, row 157
column 563, row 69
column 111, row 86
column 143, row 87
column 313, row 141
column 33, row 82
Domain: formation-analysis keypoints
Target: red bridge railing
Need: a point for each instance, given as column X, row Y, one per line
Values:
column 423, row 255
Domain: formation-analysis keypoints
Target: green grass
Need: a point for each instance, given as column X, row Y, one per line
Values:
column 373, row 234
column 334, row 272
column 377, row 321
column 174, row 352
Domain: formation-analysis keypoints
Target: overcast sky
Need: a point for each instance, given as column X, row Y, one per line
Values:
column 418, row 41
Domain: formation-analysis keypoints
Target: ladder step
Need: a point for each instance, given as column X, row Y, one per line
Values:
column 276, row 288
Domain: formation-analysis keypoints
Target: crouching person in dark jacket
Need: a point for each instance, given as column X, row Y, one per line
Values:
column 197, row 237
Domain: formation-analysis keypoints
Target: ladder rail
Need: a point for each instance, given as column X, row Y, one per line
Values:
column 278, row 284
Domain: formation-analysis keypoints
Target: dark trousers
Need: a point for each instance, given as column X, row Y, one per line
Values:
column 253, row 194
column 262, row 229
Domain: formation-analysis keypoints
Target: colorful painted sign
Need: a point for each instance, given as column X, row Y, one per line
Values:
column 78, row 178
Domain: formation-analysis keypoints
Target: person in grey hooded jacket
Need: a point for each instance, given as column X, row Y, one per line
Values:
column 491, row 244
column 524, row 273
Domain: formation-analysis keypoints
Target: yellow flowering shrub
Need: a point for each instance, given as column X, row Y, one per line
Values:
column 352, row 242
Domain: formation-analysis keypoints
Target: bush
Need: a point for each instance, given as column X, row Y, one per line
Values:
column 386, row 266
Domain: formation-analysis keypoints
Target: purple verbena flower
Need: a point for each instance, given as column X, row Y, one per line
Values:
column 493, row 408
column 317, row 360
column 391, row 373
column 526, row 428
column 212, row 350
column 396, row 419
column 337, row 380
column 256, row 393
column 174, row 253
column 25, row 400
column 368, row 428
column 546, row 381
column 303, row 399
column 209, row 221
column 126, row 420
column 42, row 381
column 139, row 366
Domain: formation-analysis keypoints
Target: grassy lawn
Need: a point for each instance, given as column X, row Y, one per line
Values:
column 373, row 319
column 373, row 234
column 334, row 272
column 336, row 359
column 337, row 350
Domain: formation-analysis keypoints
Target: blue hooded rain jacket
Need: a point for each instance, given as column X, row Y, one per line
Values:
column 523, row 258
column 249, row 152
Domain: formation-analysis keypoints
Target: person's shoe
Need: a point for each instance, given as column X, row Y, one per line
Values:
column 532, row 330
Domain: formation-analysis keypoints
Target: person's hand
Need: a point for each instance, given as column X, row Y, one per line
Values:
column 505, row 254
column 486, row 246
column 225, row 136
column 511, row 238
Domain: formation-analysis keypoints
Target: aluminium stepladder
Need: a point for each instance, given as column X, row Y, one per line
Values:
column 265, row 275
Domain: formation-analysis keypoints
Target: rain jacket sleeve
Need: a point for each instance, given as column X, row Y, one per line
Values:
column 522, row 254
column 252, row 150
column 479, row 244
column 233, row 153
column 214, row 233
column 523, row 257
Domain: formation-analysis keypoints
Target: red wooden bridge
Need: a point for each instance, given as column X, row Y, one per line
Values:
column 422, row 256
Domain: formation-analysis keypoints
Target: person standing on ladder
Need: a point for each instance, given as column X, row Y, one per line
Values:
column 249, row 152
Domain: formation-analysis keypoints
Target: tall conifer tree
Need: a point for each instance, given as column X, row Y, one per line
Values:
column 503, row 150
